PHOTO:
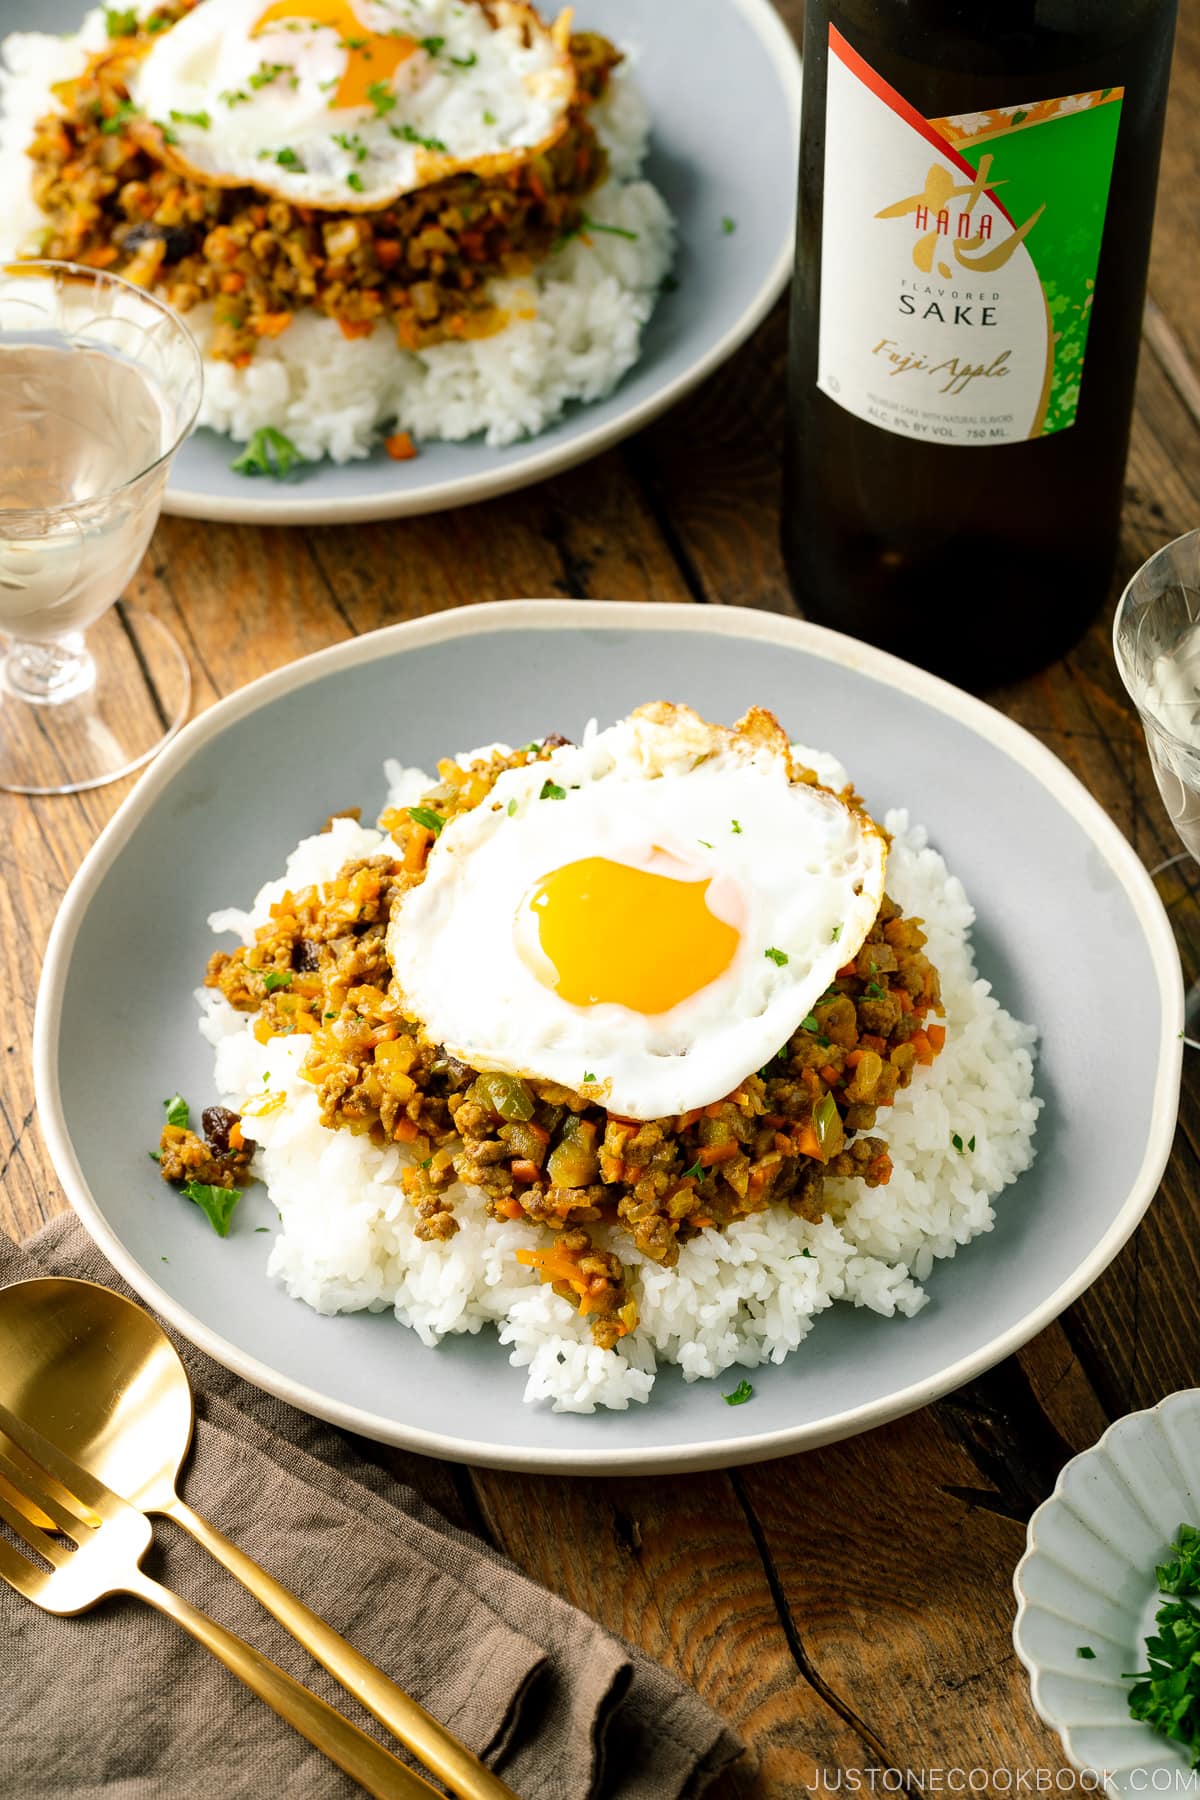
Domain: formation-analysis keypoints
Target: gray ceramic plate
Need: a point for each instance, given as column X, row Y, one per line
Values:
column 722, row 79
column 1070, row 932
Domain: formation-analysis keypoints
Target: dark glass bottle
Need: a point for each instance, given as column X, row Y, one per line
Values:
column 977, row 183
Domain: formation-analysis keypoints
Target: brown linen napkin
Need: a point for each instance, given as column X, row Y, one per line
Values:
column 120, row 1705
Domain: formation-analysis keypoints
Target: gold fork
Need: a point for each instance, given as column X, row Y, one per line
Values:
column 110, row 1537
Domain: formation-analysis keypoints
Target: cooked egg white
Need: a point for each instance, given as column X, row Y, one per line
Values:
column 340, row 104
column 645, row 918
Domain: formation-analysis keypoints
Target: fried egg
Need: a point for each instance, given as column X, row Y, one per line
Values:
column 645, row 918
column 347, row 104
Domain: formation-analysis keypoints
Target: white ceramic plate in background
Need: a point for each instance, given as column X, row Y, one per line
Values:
column 1087, row 1581
column 722, row 78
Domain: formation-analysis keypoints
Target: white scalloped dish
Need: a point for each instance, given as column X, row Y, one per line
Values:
column 1087, row 1580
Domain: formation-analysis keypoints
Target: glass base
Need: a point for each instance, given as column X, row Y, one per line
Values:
column 128, row 697
column 1176, row 881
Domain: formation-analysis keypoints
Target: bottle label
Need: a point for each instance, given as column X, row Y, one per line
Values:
column 958, row 257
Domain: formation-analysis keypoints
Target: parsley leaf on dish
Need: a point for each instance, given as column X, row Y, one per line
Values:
column 120, row 21
column 778, row 957
column 741, row 1393
column 218, row 1204
column 268, row 452
column 177, row 1111
column 425, row 815
column 276, row 978
column 552, row 791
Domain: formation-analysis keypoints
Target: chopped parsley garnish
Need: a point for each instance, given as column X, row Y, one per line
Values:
column 218, row 1204
column 329, row 1015
column 741, row 1393
column 433, row 46
column 694, row 1173
column 777, row 956
column 552, row 791
column 705, row 842
column 381, row 97
column 350, row 140
column 425, row 815
column 177, row 1111
column 728, row 225
column 489, row 118
column 465, row 62
column 354, row 43
column 267, row 72
column 354, row 180
column 809, row 1023
column 1182, row 1574
column 262, row 1228
column 612, row 230
column 1166, row 1695
column 737, row 828
column 154, row 1155
column 588, row 1078
column 408, row 135
column 157, row 23
column 956, row 1140
column 118, row 120
column 120, row 21
column 277, row 978
column 267, row 453
column 201, row 120
column 806, row 1251
column 873, row 991
column 234, row 96
column 286, row 158
column 835, row 934
column 1086, row 1652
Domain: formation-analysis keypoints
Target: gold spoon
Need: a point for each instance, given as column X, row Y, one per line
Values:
column 100, row 1378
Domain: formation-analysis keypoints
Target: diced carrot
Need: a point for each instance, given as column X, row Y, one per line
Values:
column 406, row 1131
column 688, row 1118
column 881, row 1168
column 356, row 328
column 830, row 1076
column 100, row 257
column 511, row 1208
column 775, row 1120
column 903, row 999
column 233, row 283
column 400, row 446
column 524, row 1170
column 243, row 361
column 387, row 252
column 783, row 1143
column 236, row 1139
column 809, row 1144
column 937, row 1037
column 713, row 1111
column 809, row 1078
column 922, row 1046
column 417, row 849
column 701, row 1220
column 846, row 970
column 272, row 325
column 869, row 1041
column 853, row 1058
column 718, row 1153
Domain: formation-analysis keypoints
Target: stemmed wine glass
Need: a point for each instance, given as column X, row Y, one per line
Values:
column 1156, row 640
column 99, row 386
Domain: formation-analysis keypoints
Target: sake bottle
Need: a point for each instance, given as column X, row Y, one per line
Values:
column 977, row 185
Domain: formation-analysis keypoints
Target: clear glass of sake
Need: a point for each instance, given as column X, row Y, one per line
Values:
column 1156, row 640
column 99, row 385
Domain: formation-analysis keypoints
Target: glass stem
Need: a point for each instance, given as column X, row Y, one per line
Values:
column 49, row 673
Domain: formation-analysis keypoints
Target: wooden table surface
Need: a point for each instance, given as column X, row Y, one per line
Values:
column 850, row 1609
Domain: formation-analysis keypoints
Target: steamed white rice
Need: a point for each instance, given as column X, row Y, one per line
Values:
column 746, row 1295
column 587, row 304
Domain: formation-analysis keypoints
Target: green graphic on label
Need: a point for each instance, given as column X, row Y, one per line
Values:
column 959, row 257
column 1062, row 161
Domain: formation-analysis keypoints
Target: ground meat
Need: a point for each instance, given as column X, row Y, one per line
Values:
column 220, row 1159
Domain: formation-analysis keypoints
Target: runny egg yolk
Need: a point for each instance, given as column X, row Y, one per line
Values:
column 629, row 937
column 370, row 56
